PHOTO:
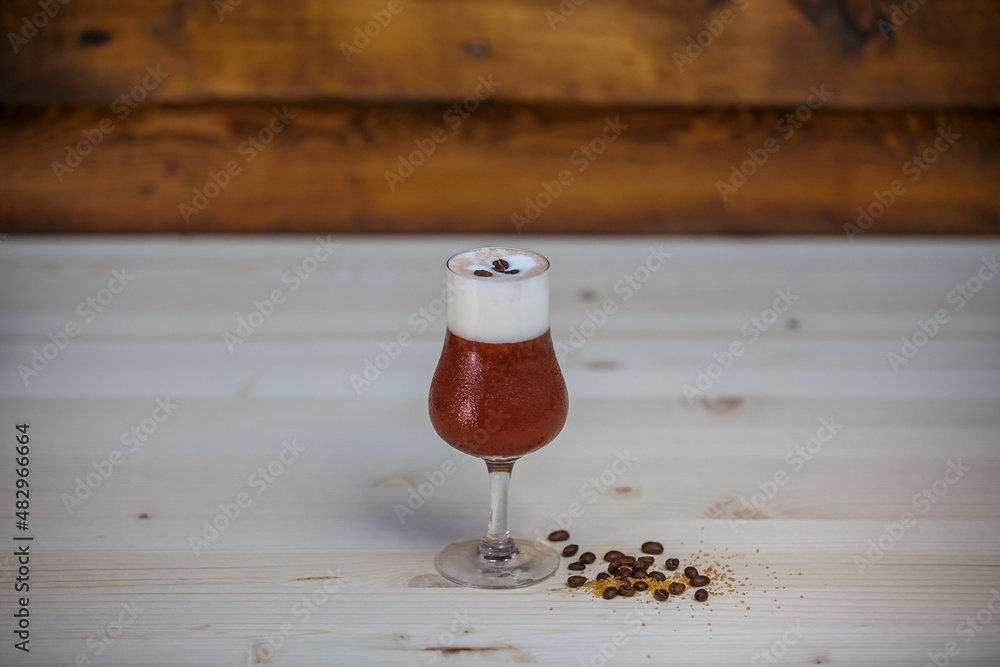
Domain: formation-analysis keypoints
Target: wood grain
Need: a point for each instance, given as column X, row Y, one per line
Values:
column 325, row 536
column 327, row 170
column 621, row 52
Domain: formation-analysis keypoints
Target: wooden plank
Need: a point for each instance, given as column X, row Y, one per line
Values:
column 621, row 52
column 326, row 172
column 325, row 531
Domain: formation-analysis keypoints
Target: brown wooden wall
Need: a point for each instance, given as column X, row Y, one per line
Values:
column 595, row 116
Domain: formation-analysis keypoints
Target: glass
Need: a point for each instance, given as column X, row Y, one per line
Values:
column 498, row 394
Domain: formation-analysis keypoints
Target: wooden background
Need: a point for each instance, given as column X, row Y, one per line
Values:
column 894, row 85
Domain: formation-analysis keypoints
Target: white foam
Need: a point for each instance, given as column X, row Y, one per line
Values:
column 501, row 307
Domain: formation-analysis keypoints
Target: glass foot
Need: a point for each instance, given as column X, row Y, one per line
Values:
column 533, row 563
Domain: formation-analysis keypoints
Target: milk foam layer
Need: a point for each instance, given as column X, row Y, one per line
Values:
column 501, row 307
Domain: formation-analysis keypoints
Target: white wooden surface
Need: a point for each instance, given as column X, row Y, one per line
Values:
column 330, row 513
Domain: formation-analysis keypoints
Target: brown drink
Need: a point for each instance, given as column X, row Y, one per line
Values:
column 498, row 400
column 498, row 394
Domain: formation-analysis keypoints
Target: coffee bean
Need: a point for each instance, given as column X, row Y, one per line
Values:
column 661, row 595
column 512, row 271
column 652, row 548
column 657, row 576
column 639, row 574
column 676, row 588
column 690, row 572
column 570, row 550
column 576, row 581
column 482, row 273
column 587, row 557
column 672, row 564
column 701, row 595
column 613, row 555
column 624, row 571
column 601, row 576
column 646, row 561
column 614, row 566
column 558, row 536
column 699, row 581
column 501, row 264
column 627, row 560
column 640, row 585
column 625, row 590
column 609, row 593
column 577, row 566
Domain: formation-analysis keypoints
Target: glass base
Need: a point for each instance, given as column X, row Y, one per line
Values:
column 461, row 562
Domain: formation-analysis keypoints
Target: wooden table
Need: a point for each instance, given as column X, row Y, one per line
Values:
column 849, row 511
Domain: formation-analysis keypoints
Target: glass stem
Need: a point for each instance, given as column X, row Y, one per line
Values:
column 498, row 545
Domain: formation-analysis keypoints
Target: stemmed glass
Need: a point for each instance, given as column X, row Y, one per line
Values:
column 498, row 394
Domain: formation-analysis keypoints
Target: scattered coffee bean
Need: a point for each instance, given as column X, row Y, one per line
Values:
column 601, row 576
column 672, row 564
column 701, row 595
column 570, row 550
column 559, row 535
column 690, row 572
column 640, row 585
column 627, row 560
column 700, row 581
column 613, row 555
column 501, row 264
column 576, row 581
column 482, row 273
column 577, row 565
column 652, row 548
column 646, row 561
column 639, row 574
column 661, row 595
column 587, row 557
column 676, row 588
column 657, row 576
column 626, row 590
column 609, row 593
column 614, row 566
column 624, row 571
column 512, row 271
